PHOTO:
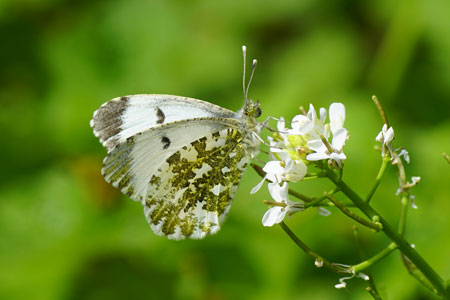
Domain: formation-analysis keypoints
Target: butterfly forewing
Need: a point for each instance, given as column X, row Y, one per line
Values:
column 123, row 117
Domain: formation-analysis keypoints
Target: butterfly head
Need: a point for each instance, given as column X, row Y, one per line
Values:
column 252, row 109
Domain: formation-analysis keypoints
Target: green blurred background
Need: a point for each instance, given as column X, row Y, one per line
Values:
column 66, row 234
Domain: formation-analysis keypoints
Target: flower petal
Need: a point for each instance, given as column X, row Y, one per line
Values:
column 298, row 121
column 284, row 189
column 323, row 114
column 317, row 156
column 405, row 155
column 281, row 124
column 312, row 115
column 273, row 166
column 295, row 171
column 273, row 216
column 379, row 137
column 337, row 116
column 317, row 145
column 273, row 170
column 258, row 186
column 323, row 212
column 304, row 128
column 338, row 156
column 276, row 191
column 339, row 138
column 389, row 135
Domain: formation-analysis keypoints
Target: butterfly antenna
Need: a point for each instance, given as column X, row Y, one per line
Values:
column 244, row 54
column 251, row 77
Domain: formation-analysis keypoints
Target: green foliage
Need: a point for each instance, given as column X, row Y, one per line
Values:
column 65, row 233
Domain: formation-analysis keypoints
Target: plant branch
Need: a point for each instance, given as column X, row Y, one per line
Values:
column 318, row 201
column 380, row 255
column 373, row 293
column 332, row 266
column 402, row 217
column 384, row 163
column 380, row 110
column 300, row 196
column 372, row 288
column 372, row 225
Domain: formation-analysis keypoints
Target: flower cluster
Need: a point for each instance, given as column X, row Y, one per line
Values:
column 310, row 139
column 385, row 137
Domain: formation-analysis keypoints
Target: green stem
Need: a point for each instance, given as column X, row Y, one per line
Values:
column 402, row 218
column 372, row 225
column 372, row 288
column 307, row 177
column 373, row 293
column 384, row 163
column 380, row 255
column 380, row 110
column 317, row 201
column 402, row 244
column 334, row 267
column 326, row 203
column 412, row 269
column 300, row 196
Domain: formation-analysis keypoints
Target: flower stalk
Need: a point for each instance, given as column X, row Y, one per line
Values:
column 384, row 163
column 369, row 262
column 372, row 289
column 338, row 268
column 372, row 225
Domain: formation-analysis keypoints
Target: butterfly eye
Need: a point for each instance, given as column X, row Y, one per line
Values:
column 257, row 113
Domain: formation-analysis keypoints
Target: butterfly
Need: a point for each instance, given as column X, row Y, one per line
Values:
column 182, row 158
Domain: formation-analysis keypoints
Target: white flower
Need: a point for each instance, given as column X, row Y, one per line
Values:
column 385, row 137
column 278, row 171
column 334, row 150
column 277, row 213
column 309, row 126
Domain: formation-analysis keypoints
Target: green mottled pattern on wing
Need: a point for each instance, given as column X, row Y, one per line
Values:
column 190, row 194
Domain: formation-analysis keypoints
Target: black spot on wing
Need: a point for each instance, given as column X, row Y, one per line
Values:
column 107, row 119
column 166, row 142
column 160, row 115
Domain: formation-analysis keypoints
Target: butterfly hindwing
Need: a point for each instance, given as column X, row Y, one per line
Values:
column 123, row 117
column 192, row 190
column 131, row 164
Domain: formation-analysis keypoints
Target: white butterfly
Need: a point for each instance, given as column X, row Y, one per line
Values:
column 182, row 158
